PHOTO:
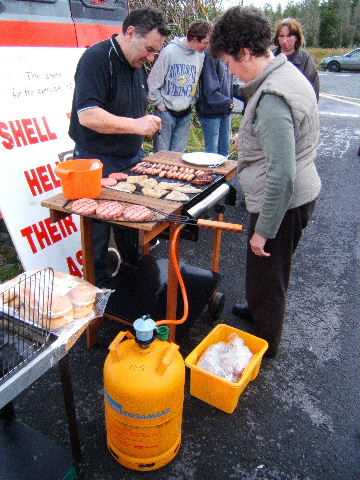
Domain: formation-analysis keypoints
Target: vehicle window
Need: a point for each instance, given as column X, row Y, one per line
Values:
column 355, row 53
column 108, row 4
column 112, row 10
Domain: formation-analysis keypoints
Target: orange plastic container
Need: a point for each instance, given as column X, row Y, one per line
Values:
column 80, row 178
column 215, row 390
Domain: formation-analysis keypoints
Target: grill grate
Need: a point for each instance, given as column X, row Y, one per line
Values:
column 25, row 316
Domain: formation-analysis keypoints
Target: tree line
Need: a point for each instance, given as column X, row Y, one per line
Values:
column 327, row 23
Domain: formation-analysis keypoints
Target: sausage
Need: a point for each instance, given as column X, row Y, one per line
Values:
column 119, row 176
column 108, row 182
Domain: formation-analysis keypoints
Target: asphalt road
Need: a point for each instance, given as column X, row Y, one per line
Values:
column 300, row 419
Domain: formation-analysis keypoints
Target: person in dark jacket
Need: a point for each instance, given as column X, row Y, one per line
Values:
column 289, row 39
column 215, row 104
column 108, row 117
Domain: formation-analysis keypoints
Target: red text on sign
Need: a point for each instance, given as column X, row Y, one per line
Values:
column 74, row 265
column 42, row 179
column 45, row 233
column 27, row 131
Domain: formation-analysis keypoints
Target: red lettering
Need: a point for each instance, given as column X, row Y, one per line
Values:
column 41, row 234
column 27, row 124
column 44, row 179
column 79, row 257
column 33, row 182
column 45, row 233
column 62, row 228
column 42, row 138
column 25, row 131
column 27, row 233
column 69, row 225
column 53, row 230
column 51, row 135
column 73, row 268
column 18, row 133
column 41, row 179
column 8, row 143
column 54, row 178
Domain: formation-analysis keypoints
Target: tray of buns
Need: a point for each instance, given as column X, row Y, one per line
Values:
column 68, row 298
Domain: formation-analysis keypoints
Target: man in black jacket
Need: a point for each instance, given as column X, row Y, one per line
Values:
column 108, row 118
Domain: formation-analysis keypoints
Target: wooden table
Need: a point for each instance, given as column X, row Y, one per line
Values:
column 147, row 231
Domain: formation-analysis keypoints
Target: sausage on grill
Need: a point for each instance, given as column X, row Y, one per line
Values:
column 119, row 176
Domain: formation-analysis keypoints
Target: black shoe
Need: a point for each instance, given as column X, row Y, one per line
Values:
column 241, row 310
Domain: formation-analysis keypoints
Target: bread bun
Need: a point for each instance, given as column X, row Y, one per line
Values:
column 7, row 292
column 82, row 298
column 61, row 312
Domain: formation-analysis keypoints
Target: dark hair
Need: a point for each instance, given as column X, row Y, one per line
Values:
column 295, row 29
column 198, row 30
column 146, row 19
column 238, row 28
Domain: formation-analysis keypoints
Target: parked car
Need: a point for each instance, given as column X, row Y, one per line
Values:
column 349, row 61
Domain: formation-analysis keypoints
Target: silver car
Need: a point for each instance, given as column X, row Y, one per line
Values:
column 349, row 61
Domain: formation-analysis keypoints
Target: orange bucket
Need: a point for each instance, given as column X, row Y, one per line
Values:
column 80, row 178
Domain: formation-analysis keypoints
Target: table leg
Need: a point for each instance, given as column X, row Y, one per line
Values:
column 70, row 407
column 217, row 245
column 89, row 274
column 172, row 290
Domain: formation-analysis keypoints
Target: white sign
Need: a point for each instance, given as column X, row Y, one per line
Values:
column 35, row 98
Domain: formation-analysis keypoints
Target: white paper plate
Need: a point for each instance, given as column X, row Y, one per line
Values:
column 203, row 158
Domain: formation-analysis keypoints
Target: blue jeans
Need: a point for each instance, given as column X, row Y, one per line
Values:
column 216, row 134
column 174, row 133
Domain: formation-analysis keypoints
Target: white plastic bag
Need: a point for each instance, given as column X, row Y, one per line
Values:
column 226, row 359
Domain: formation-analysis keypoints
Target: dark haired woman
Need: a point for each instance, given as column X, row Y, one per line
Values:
column 277, row 146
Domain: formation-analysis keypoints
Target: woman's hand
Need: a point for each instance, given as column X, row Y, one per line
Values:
column 257, row 244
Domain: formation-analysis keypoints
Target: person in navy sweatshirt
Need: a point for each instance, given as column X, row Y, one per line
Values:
column 214, row 105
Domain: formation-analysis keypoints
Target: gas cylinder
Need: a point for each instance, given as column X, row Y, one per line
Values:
column 144, row 381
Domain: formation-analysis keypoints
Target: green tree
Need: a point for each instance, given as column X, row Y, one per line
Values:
column 329, row 24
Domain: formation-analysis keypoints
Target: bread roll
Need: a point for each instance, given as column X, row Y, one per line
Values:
column 82, row 298
column 61, row 312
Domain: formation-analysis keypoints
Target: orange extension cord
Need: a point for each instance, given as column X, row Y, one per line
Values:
column 175, row 262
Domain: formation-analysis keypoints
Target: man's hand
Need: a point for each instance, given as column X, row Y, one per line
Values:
column 257, row 244
column 161, row 107
column 148, row 125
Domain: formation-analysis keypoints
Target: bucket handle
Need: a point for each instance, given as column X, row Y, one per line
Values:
column 118, row 339
column 167, row 358
column 62, row 171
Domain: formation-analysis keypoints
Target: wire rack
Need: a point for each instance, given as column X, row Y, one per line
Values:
column 25, row 316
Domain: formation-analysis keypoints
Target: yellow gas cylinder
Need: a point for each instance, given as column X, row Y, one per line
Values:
column 144, row 392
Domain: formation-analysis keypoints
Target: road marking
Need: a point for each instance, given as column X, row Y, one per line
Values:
column 335, row 114
column 339, row 96
column 338, row 74
column 330, row 97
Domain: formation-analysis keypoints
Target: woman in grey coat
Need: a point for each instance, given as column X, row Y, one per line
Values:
column 289, row 39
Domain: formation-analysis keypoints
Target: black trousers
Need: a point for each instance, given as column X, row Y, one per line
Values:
column 126, row 239
column 127, row 243
column 267, row 278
